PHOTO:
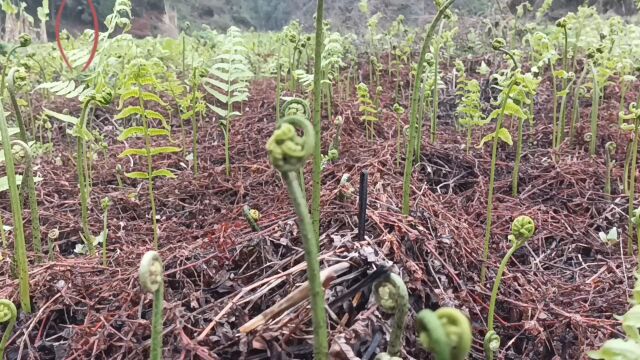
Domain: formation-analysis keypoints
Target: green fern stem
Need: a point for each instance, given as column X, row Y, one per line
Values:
column 624, row 87
column 610, row 149
column 106, row 203
column 595, row 106
column 632, row 184
column 445, row 332
column 556, row 127
column 522, row 229
column 516, row 165
column 9, row 315
column 81, row 161
column 413, row 117
column 152, row 280
column 627, row 164
column 317, row 126
column 563, row 112
column 194, row 122
column 16, row 210
column 576, row 105
column 288, row 153
column 492, row 179
column 278, row 88
column 11, row 86
column 435, row 94
column 28, row 181
column 148, row 145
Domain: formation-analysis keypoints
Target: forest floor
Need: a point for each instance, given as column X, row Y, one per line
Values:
column 558, row 298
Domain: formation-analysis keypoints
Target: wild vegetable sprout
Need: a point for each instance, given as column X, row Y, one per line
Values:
column 288, row 152
column 152, row 281
column 522, row 229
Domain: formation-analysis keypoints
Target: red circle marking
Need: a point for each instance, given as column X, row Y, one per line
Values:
column 96, row 35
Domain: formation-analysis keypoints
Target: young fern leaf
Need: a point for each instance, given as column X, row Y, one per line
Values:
column 141, row 81
column 227, row 83
column 368, row 109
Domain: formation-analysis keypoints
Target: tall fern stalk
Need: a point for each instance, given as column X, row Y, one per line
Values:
column 635, row 116
column 492, row 174
column 146, row 72
column 413, row 115
column 288, row 152
column 28, row 181
column 16, row 210
column 228, row 84
column 81, row 160
column 317, row 127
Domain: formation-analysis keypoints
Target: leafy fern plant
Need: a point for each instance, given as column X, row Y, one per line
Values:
column 140, row 82
column 228, row 85
column 368, row 109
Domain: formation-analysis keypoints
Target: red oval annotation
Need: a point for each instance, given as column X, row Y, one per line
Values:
column 96, row 34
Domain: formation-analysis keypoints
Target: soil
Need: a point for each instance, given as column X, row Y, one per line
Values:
column 558, row 297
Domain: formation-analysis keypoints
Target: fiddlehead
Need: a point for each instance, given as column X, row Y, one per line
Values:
column 296, row 107
column 522, row 229
column 391, row 296
column 8, row 313
column 446, row 332
column 27, row 179
column 252, row 216
column 52, row 237
column 287, row 150
column 24, row 40
column 16, row 75
column 491, row 344
column 152, row 281
column 499, row 44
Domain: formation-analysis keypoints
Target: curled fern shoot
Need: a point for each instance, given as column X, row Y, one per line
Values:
column 288, row 152
column 391, row 296
column 152, row 281
column 15, row 75
column 16, row 211
column 252, row 216
column 9, row 315
column 415, row 99
column 522, row 229
column 299, row 107
column 28, row 181
column 24, row 40
column 445, row 332
column 295, row 106
column 52, row 237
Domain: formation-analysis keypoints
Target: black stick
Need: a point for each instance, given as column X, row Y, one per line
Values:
column 362, row 204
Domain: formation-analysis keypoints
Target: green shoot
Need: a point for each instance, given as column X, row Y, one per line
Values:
column 522, row 229
column 151, row 276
